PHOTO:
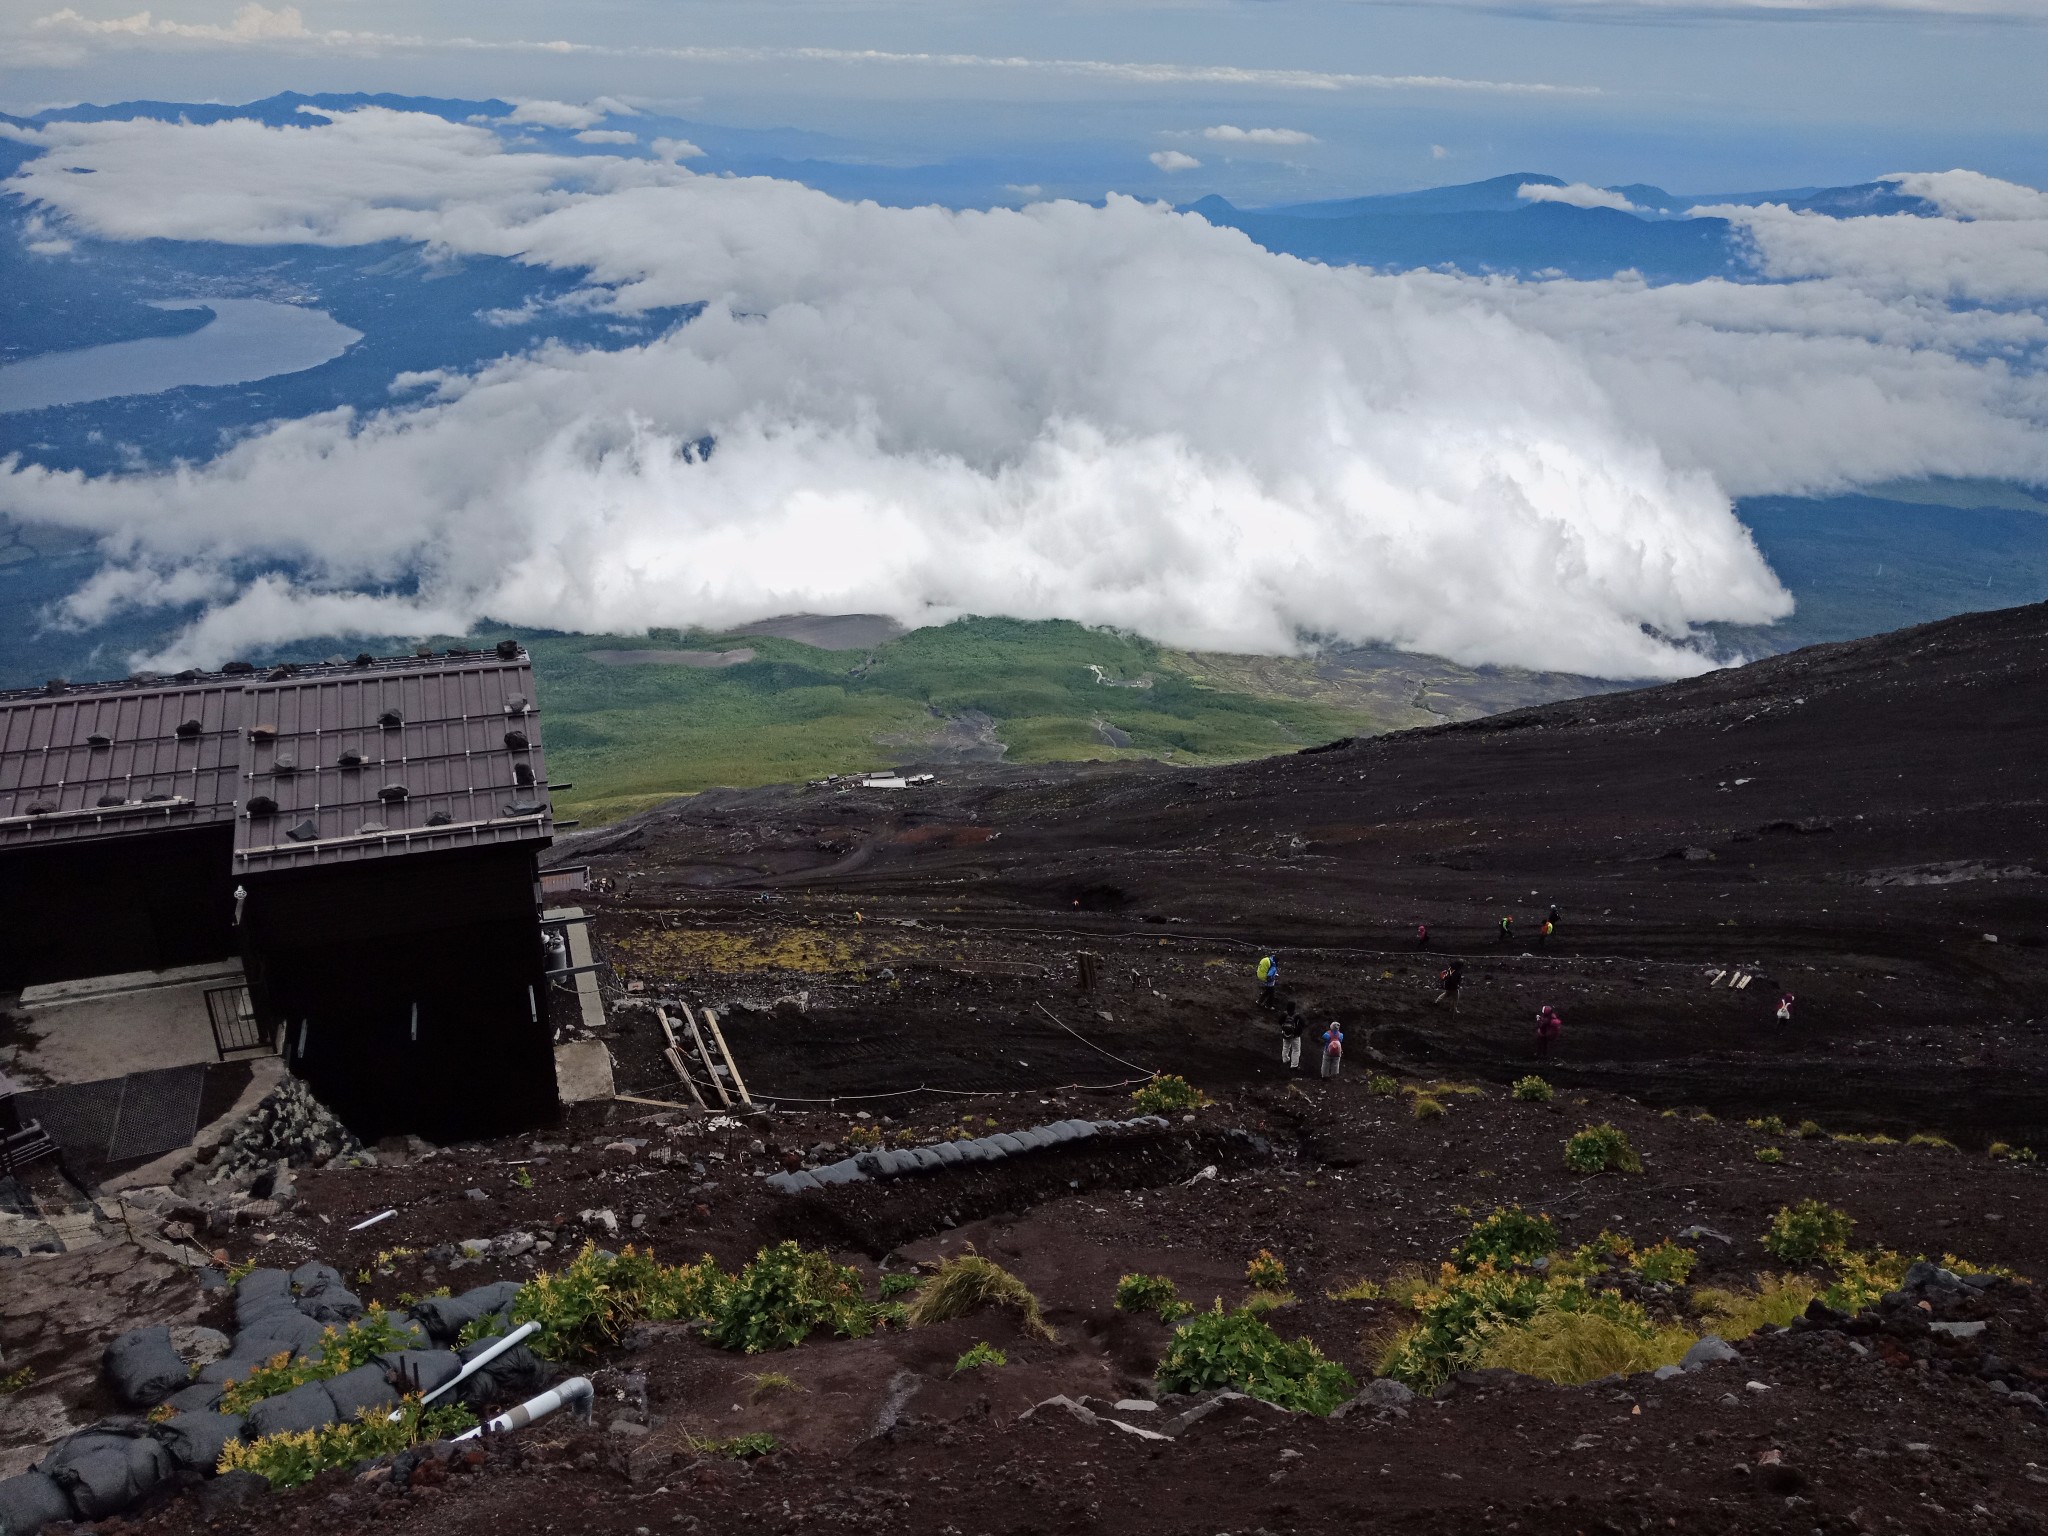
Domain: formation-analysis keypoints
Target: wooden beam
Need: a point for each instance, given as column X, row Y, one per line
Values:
column 731, row 1065
column 704, row 1055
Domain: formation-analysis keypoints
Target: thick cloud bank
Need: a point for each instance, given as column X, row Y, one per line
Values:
column 1117, row 415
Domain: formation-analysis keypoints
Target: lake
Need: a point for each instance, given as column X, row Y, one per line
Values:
column 247, row 339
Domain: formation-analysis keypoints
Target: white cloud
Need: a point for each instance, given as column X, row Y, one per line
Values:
column 1578, row 195
column 609, row 136
column 1438, row 152
column 673, row 150
column 1224, row 133
column 251, row 24
column 1171, row 160
column 1972, row 194
column 1116, row 414
column 554, row 114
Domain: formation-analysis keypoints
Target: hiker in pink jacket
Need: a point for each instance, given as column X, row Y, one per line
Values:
column 1549, row 1025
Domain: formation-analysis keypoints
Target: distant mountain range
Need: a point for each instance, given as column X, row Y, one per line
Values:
column 1491, row 226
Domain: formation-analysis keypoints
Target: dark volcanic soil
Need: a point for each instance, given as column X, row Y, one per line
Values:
column 1860, row 825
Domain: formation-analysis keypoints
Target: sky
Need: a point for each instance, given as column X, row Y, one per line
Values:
column 1098, row 410
column 1335, row 96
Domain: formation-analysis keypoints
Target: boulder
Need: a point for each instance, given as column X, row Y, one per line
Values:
column 1709, row 1351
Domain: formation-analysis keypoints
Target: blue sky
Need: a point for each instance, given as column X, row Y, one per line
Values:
column 1699, row 98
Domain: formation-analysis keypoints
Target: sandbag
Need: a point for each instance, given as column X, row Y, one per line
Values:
column 143, row 1368
column 315, row 1276
column 106, row 1471
column 364, row 1387
column 334, row 1305
column 446, row 1316
column 420, row 1370
column 306, row 1407
column 30, row 1502
column 518, row 1372
column 195, row 1440
column 260, row 1290
column 292, row 1332
column 200, row 1397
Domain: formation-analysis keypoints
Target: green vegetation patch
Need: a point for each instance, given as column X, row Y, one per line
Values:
column 1240, row 1350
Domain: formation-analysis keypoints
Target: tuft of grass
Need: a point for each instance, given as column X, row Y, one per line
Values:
column 1801, row 1233
column 1573, row 1348
column 1769, row 1155
column 17, row 1381
column 1599, row 1148
column 2005, row 1151
column 1929, row 1139
column 1770, row 1125
column 1169, row 1094
column 740, row 1447
column 983, row 1354
column 1357, row 1290
column 967, row 1282
column 1426, row 1108
column 1956, row 1264
column 768, row 1383
column 1775, row 1303
column 1808, row 1130
column 1533, row 1090
column 1704, row 1117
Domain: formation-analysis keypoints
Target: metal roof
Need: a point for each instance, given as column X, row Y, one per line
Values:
column 207, row 748
column 110, row 764
column 433, row 760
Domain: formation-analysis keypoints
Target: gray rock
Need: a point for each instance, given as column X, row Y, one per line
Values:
column 200, row 1346
column 1063, row 1404
column 1666, row 1372
column 1958, row 1330
column 1926, row 1275
column 1709, row 1351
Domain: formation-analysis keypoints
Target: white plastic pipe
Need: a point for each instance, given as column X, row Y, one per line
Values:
column 576, row 1389
column 472, row 1366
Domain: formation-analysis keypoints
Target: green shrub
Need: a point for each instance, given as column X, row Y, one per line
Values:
column 899, row 1285
column 1168, row 1094
column 1427, row 1108
column 589, row 1302
column 784, row 1295
column 983, row 1354
column 1769, row 1155
column 968, row 1281
column 1265, row 1273
column 1454, row 1319
column 1506, row 1239
column 767, row 1383
column 296, row 1457
column 1598, row 1148
column 1861, row 1278
column 1151, row 1293
column 1239, row 1350
column 1801, row 1233
column 1776, row 1302
column 1770, row 1125
column 1808, row 1130
column 1958, row 1265
column 2007, row 1152
column 1383, row 1085
column 1664, row 1263
column 1533, row 1090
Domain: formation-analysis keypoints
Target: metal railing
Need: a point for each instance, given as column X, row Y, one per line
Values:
column 236, row 1029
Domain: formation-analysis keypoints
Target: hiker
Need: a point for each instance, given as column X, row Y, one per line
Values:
column 1549, row 1025
column 1292, row 1025
column 1333, row 1049
column 1543, row 934
column 1422, row 935
column 1556, row 916
column 1269, row 980
column 1785, row 1009
column 1450, row 978
column 1507, row 931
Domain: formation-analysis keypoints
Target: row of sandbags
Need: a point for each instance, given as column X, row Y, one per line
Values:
column 891, row 1162
column 107, row 1468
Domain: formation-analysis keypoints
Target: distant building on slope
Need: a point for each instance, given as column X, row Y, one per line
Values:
column 362, row 835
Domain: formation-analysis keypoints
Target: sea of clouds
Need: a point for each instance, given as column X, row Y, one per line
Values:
column 1119, row 414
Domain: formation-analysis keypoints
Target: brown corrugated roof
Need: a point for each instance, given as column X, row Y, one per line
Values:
column 62, row 755
column 66, row 747
column 439, row 774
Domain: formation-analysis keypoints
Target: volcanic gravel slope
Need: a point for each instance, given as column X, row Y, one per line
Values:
column 911, row 956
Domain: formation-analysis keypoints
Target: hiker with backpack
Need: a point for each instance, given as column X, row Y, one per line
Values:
column 1785, row 1009
column 1543, row 934
column 1333, row 1049
column 1422, row 935
column 1549, row 1025
column 1450, row 978
column 1507, row 931
column 1292, row 1026
column 1268, row 971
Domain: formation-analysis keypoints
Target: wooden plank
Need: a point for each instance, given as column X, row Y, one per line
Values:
column 634, row 1098
column 667, row 1028
column 731, row 1065
column 675, row 1059
column 704, row 1055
